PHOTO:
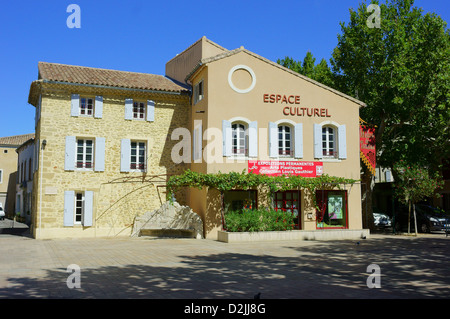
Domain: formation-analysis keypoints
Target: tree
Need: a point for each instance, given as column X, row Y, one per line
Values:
column 308, row 65
column 414, row 184
column 291, row 64
column 321, row 72
column 402, row 72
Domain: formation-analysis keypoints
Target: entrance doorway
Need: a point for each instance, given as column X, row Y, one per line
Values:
column 289, row 201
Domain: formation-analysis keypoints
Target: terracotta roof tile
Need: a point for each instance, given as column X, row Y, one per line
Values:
column 16, row 139
column 96, row 76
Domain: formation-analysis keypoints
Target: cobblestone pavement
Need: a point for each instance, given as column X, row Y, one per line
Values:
column 411, row 267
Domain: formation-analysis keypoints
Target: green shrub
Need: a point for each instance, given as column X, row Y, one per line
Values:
column 258, row 220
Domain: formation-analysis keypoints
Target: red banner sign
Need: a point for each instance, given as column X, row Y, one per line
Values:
column 277, row 168
column 367, row 146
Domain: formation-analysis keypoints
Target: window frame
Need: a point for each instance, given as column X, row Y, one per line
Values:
column 142, row 110
column 199, row 91
column 251, row 195
column 84, row 154
column 282, row 150
column 327, row 151
column 80, row 109
column 82, row 208
column 241, row 128
column 137, row 163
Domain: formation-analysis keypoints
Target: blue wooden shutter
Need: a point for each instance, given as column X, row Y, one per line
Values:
column 88, row 208
column 273, row 140
column 69, row 207
column 128, row 109
column 98, row 108
column 75, row 105
column 318, row 149
column 298, row 140
column 69, row 163
column 253, row 139
column 342, row 142
column 99, row 165
column 150, row 111
column 226, row 137
column 125, row 154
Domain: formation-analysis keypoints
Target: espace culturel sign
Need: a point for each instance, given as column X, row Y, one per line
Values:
column 295, row 110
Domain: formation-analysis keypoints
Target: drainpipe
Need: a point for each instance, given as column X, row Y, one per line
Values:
column 44, row 142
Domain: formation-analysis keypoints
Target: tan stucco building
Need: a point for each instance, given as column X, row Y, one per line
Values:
column 108, row 140
column 11, row 172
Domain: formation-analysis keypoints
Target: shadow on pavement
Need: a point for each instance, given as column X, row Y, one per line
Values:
column 14, row 228
column 410, row 268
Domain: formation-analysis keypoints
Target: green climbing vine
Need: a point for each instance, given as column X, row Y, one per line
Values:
column 245, row 181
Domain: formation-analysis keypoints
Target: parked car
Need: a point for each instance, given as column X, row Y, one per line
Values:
column 382, row 220
column 427, row 219
column 2, row 213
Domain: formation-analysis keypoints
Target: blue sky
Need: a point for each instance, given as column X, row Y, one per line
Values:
column 141, row 36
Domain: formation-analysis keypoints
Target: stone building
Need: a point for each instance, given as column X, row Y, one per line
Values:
column 103, row 147
column 107, row 140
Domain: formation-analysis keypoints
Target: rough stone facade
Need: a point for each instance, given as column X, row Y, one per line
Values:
column 118, row 197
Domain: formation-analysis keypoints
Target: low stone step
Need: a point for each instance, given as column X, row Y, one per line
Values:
column 174, row 233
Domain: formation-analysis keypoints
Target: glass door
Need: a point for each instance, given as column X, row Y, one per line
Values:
column 289, row 201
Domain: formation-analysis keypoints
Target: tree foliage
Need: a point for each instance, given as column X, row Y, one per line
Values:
column 402, row 72
column 415, row 183
column 320, row 72
column 245, row 181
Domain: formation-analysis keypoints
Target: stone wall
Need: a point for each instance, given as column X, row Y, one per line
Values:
column 118, row 197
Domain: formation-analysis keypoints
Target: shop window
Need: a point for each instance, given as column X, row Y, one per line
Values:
column 239, row 142
column 289, row 201
column 333, row 209
column 239, row 200
column 285, row 141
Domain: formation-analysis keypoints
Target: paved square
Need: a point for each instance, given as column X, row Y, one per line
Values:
column 206, row 269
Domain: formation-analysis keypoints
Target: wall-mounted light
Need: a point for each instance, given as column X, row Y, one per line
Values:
column 44, row 142
column 310, row 215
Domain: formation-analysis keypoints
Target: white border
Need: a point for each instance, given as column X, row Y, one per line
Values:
column 243, row 67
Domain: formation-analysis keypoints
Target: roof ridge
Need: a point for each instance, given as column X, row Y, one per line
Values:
column 202, row 38
column 255, row 55
column 16, row 139
column 94, row 68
